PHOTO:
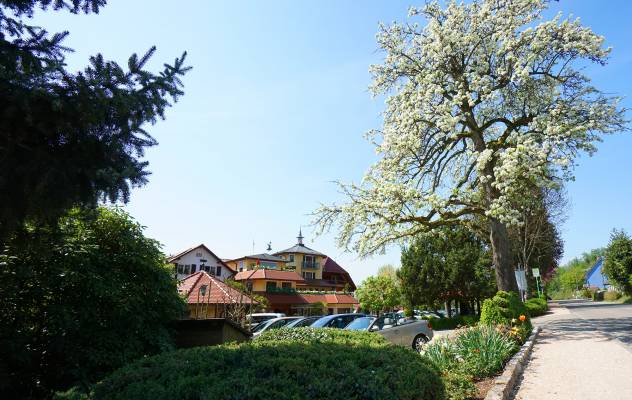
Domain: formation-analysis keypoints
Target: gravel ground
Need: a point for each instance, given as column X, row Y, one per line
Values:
column 576, row 359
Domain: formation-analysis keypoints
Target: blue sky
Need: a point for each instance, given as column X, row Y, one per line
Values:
column 275, row 109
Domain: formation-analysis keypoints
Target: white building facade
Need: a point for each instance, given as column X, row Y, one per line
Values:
column 199, row 258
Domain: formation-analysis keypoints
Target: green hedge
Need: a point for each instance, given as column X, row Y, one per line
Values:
column 611, row 295
column 441, row 324
column 536, row 306
column 502, row 308
column 302, row 363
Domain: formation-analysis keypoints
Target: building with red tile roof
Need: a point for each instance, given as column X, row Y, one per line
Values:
column 209, row 297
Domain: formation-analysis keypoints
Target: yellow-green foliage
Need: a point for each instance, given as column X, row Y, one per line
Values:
column 502, row 308
column 611, row 296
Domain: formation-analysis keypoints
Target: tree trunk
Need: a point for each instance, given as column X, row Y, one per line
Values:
column 501, row 257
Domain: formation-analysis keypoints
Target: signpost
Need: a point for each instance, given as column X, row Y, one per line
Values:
column 536, row 275
column 521, row 280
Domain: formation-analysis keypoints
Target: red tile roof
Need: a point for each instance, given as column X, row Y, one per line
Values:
column 272, row 274
column 217, row 292
column 332, row 267
column 283, row 298
column 330, row 298
column 299, row 298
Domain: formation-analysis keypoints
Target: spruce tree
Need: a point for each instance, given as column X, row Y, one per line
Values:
column 71, row 138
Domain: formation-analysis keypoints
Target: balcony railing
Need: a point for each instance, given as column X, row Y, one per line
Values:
column 281, row 290
column 310, row 265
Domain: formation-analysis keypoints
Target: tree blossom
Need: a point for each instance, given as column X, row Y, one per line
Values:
column 481, row 102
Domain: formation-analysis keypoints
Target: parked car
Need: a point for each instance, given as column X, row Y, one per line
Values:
column 335, row 321
column 302, row 322
column 274, row 323
column 404, row 332
column 257, row 318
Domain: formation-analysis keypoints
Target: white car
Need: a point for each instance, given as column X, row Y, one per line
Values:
column 404, row 332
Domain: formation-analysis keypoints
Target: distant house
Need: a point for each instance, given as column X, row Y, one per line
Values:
column 209, row 297
column 595, row 277
column 199, row 258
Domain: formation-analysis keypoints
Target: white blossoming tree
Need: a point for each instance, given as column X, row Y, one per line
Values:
column 484, row 100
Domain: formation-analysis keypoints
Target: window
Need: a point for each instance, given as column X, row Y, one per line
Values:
column 249, row 286
column 309, row 275
column 180, row 268
column 192, row 268
column 218, row 271
column 291, row 257
column 198, row 254
column 187, row 269
column 271, row 285
column 241, row 265
column 286, row 285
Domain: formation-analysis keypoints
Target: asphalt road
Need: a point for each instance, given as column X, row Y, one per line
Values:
column 613, row 320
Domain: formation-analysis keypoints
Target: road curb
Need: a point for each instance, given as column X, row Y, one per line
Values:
column 504, row 384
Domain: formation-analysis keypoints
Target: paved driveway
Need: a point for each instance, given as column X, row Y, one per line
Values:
column 584, row 352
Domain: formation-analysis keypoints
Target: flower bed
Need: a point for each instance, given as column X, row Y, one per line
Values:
column 476, row 353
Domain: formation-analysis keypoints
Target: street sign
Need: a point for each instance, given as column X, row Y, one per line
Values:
column 536, row 272
column 521, row 279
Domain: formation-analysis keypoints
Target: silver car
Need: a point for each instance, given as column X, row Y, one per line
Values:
column 274, row 323
column 409, row 333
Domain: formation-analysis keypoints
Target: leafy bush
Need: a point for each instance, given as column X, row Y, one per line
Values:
column 80, row 299
column 598, row 295
column 311, row 364
column 478, row 351
column 536, row 306
column 502, row 308
column 587, row 293
column 611, row 295
column 441, row 324
column 458, row 385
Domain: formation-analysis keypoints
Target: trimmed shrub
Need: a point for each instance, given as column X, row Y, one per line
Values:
column 611, row 295
column 441, row 324
column 502, row 308
column 536, row 306
column 310, row 364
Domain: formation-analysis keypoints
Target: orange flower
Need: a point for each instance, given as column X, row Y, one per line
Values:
column 522, row 318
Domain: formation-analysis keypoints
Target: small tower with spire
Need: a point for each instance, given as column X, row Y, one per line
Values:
column 300, row 237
